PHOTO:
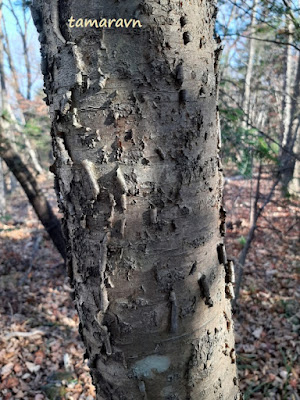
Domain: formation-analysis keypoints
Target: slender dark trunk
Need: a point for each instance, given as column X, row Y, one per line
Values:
column 2, row 190
column 12, row 68
column 24, row 38
column 247, row 89
column 33, row 192
column 257, row 211
column 290, row 138
column 289, row 109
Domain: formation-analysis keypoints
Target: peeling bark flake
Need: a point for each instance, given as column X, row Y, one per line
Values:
column 121, row 180
column 222, row 254
column 153, row 215
column 205, row 292
column 230, row 274
column 103, row 254
column 142, row 389
column 122, row 229
column 174, row 313
column 160, row 153
column 179, row 74
column 105, row 335
column 75, row 120
column 112, row 211
column 183, row 96
column 90, row 170
column 187, row 37
column 55, row 20
column 222, row 219
column 232, row 356
column 102, row 79
column 229, row 291
column 193, row 269
column 228, row 322
column 124, row 202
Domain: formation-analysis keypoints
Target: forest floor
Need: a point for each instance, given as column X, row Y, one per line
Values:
column 41, row 354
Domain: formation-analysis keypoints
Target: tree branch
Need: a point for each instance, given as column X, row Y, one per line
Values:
column 263, row 40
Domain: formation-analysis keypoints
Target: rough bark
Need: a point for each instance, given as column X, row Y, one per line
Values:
column 136, row 139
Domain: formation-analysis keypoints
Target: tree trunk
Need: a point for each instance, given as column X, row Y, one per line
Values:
column 287, row 98
column 5, row 106
column 24, row 38
column 294, row 182
column 31, row 188
column 135, row 135
column 33, row 158
column 9, row 154
column 290, row 111
column 10, row 61
column 2, row 191
column 290, row 129
column 248, row 77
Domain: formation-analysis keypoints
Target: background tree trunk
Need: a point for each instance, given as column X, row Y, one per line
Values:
column 290, row 111
column 32, row 190
column 24, row 38
column 135, row 135
column 291, row 138
column 247, row 90
column 14, row 162
column 2, row 191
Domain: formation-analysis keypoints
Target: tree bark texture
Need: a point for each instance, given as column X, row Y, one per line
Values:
column 136, row 139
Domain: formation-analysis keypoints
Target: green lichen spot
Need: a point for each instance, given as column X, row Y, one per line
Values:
column 146, row 367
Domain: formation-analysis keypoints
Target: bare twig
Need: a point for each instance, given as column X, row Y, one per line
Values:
column 257, row 213
column 263, row 40
column 23, row 334
column 291, row 153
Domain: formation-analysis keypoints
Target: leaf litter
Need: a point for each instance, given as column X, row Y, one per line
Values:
column 41, row 354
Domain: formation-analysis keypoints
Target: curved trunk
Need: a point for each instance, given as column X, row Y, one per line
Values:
column 31, row 188
column 135, row 135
